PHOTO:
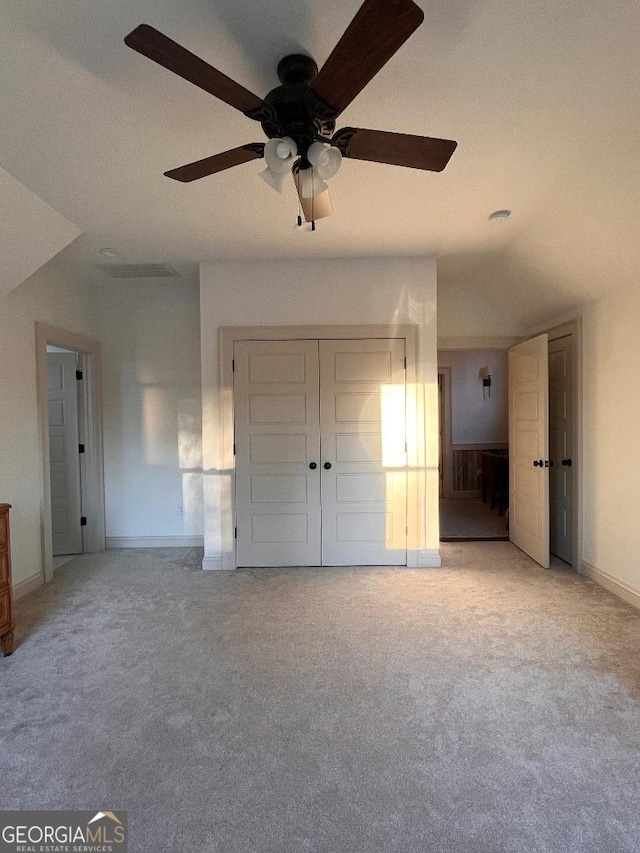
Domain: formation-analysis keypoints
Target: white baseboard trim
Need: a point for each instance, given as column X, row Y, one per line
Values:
column 212, row 563
column 427, row 558
column 622, row 590
column 28, row 585
column 155, row 542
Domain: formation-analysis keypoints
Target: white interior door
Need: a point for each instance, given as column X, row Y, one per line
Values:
column 561, row 447
column 363, row 435
column 529, row 448
column 64, row 459
column 277, row 437
column 320, row 452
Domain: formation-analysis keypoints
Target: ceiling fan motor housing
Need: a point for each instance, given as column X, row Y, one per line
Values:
column 299, row 113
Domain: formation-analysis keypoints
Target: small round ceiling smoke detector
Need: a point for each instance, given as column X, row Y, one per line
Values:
column 499, row 215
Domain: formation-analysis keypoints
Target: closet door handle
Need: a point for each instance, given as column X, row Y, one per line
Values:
column 327, row 465
column 313, row 465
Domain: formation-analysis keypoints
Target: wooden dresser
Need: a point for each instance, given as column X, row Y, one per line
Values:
column 6, row 604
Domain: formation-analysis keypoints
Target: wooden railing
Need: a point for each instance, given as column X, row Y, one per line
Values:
column 466, row 465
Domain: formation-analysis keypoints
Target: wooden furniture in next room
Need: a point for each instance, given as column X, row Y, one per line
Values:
column 6, row 604
column 494, row 479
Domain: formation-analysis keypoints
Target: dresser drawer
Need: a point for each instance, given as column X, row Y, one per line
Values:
column 4, row 529
column 4, row 566
column 6, row 620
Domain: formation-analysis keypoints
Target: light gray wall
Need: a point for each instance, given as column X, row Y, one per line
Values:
column 476, row 417
column 150, row 333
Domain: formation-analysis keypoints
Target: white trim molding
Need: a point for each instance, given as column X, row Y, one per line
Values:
column 477, row 343
column 618, row 588
column 27, row 585
column 155, row 542
column 426, row 558
column 213, row 563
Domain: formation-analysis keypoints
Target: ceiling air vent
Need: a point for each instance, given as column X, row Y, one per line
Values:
column 138, row 270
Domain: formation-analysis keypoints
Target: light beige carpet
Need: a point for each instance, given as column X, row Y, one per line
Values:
column 487, row 707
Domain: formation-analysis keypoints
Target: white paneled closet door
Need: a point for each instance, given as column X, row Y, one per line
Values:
column 277, row 438
column 320, row 452
column 362, row 437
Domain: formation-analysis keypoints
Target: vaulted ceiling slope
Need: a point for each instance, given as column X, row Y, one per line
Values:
column 541, row 97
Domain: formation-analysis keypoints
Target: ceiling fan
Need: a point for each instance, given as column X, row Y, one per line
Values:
column 299, row 116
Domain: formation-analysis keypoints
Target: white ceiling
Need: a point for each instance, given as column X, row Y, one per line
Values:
column 541, row 96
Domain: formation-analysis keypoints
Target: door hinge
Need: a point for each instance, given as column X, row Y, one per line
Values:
column 405, row 362
column 233, row 365
column 81, row 448
column 235, row 532
column 78, row 374
column 83, row 521
column 234, row 448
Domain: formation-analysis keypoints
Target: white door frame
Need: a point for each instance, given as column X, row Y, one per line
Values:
column 445, row 420
column 416, row 489
column 92, row 473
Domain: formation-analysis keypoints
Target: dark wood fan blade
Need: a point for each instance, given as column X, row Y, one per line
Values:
column 168, row 53
column 378, row 30
column 217, row 163
column 397, row 149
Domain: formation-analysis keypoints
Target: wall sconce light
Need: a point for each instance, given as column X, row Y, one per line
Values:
column 485, row 374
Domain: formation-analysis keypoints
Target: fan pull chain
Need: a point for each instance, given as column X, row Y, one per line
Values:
column 299, row 218
column 313, row 199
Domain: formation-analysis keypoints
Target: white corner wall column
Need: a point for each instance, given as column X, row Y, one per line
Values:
column 272, row 300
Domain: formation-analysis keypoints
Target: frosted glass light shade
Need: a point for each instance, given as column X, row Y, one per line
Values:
column 276, row 180
column 318, row 207
column 279, row 153
column 325, row 158
column 313, row 194
column 309, row 183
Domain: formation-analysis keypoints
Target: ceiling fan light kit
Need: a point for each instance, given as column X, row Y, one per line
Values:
column 299, row 116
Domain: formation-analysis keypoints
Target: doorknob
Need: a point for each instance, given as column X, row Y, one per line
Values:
column 538, row 463
column 567, row 462
column 313, row 466
column 327, row 465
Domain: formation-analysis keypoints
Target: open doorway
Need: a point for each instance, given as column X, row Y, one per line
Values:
column 82, row 355
column 473, row 396
column 65, row 404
